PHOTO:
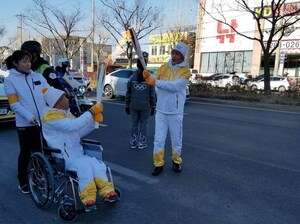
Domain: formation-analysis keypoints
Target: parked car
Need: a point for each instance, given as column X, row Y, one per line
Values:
column 209, row 77
column 4, row 72
column 277, row 83
column 224, row 81
column 6, row 114
column 116, row 83
column 195, row 76
column 250, row 79
column 78, row 80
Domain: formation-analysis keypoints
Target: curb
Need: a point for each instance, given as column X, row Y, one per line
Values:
column 270, row 106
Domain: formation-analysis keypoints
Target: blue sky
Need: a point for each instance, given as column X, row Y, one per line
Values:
column 185, row 9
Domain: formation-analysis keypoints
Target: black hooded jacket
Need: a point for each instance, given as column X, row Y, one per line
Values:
column 42, row 66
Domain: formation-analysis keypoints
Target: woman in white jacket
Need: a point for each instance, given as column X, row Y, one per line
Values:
column 23, row 88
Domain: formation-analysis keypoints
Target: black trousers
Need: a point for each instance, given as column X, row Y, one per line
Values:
column 30, row 142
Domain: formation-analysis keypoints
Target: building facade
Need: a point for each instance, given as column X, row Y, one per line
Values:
column 81, row 60
column 162, row 44
column 220, row 49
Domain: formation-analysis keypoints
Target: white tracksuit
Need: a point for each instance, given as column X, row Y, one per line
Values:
column 63, row 131
column 171, row 84
column 25, row 95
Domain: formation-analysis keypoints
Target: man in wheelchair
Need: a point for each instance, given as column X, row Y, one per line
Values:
column 63, row 131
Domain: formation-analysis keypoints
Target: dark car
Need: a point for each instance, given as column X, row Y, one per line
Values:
column 250, row 79
column 210, row 77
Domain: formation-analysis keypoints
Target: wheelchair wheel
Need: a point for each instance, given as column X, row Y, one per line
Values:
column 67, row 212
column 41, row 180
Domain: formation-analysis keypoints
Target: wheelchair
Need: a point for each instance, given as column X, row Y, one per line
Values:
column 50, row 182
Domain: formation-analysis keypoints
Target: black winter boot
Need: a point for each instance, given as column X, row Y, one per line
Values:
column 157, row 170
column 177, row 167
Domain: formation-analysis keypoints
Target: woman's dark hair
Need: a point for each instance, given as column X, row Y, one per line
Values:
column 16, row 57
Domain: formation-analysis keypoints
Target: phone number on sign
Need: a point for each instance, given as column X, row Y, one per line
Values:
column 292, row 44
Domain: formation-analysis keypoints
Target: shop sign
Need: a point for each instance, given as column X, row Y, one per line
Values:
column 166, row 38
column 287, row 44
column 267, row 11
column 226, row 33
column 159, row 58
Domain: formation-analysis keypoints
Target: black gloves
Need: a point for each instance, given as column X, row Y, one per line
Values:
column 152, row 110
column 127, row 109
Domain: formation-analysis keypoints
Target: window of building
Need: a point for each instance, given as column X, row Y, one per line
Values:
column 226, row 62
column 229, row 62
column 204, row 62
column 212, row 62
column 247, row 61
column 162, row 49
column 221, row 63
column 170, row 49
column 154, row 50
column 238, row 62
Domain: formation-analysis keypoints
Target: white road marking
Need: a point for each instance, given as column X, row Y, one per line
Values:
column 103, row 125
column 244, row 107
column 244, row 158
column 131, row 173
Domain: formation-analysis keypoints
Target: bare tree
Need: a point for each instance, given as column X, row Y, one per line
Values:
column 2, row 32
column 175, row 34
column 59, row 28
column 9, row 46
column 122, row 15
column 100, row 47
column 4, row 48
column 280, row 17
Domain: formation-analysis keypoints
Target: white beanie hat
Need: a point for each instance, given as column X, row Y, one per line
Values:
column 182, row 47
column 52, row 95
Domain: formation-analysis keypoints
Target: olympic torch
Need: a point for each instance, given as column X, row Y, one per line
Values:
column 100, row 84
column 137, row 47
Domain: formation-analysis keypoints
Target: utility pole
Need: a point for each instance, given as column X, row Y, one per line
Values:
column 20, row 28
column 92, row 36
column 278, row 66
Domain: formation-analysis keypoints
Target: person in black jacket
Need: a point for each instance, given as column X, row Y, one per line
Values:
column 39, row 65
column 140, row 103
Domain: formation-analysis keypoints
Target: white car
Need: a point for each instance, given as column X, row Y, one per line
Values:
column 224, row 81
column 6, row 114
column 80, row 82
column 4, row 72
column 277, row 83
column 116, row 83
column 195, row 77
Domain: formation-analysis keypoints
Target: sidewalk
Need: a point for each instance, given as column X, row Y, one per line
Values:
column 269, row 106
column 241, row 103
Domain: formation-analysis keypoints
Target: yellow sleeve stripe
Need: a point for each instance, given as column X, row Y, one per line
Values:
column 53, row 115
column 13, row 98
column 185, row 74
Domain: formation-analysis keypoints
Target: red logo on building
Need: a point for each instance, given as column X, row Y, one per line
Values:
column 226, row 33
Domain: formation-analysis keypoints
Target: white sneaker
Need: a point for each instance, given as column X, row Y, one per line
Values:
column 24, row 189
column 142, row 145
column 133, row 146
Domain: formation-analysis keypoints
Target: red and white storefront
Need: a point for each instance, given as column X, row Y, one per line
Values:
column 220, row 49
